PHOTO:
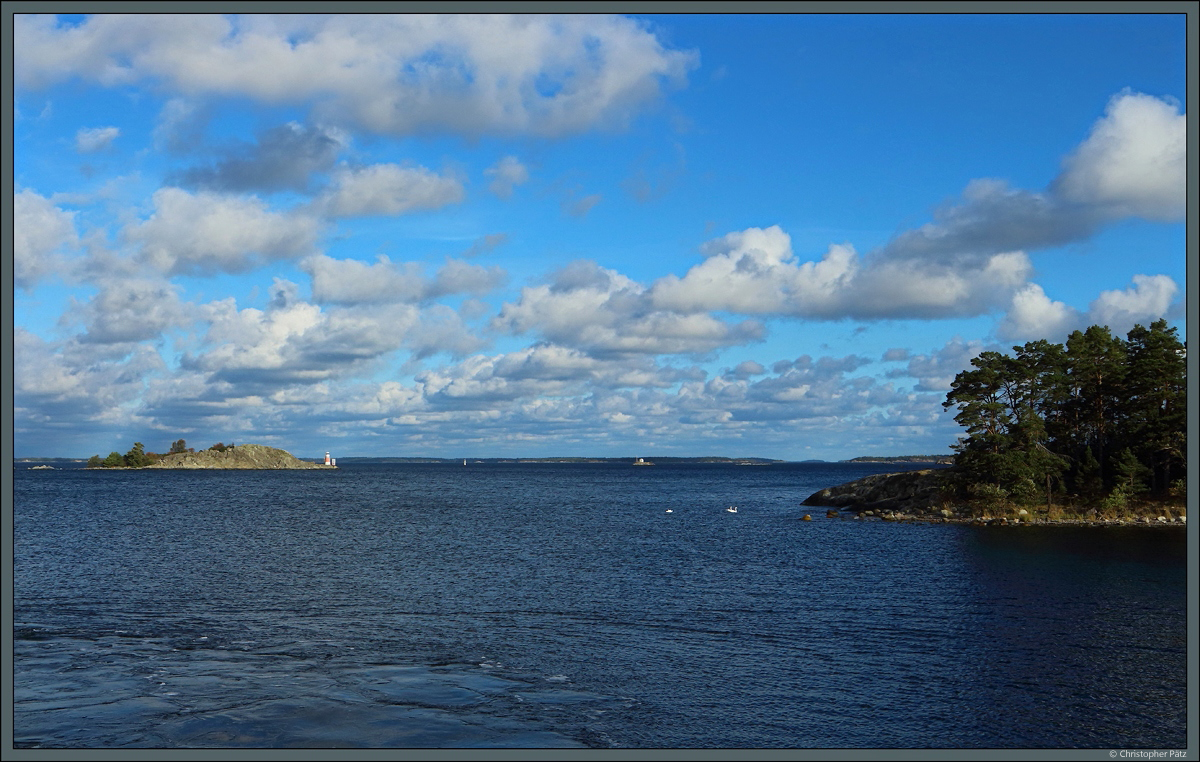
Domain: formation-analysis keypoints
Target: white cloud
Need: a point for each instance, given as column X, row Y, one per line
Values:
column 63, row 390
column 1147, row 299
column 1134, row 162
column 204, row 233
column 459, row 277
column 1033, row 315
column 131, row 310
column 294, row 342
column 40, row 231
column 349, row 281
column 935, row 372
column 392, row 74
column 387, row 190
column 91, row 139
column 601, row 311
column 507, row 173
column 755, row 272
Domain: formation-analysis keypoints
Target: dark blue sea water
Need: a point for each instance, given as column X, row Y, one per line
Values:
column 533, row 605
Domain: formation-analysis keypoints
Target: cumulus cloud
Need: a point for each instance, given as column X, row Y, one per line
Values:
column 991, row 218
column 92, row 139
column 459, row 277
column 349, row 281
column 797, row 390
column 441, row 329
column 130, row 310
column 540, row 371
column 40, row 231
column 283, row 158
column 507, row 173
column 205, row 233
column 755, row 272
column 295, row 342
column 1134, row 162
column 746, row 369
column 386, row 190
column 598, row 310
column 1147, row 299
column 935, row 372
column 66, row 390
column 392, row 74
column 1034, row 315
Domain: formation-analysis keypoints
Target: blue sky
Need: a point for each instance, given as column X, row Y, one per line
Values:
column 465, row 236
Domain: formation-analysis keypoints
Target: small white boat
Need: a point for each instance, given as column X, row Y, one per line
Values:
column 732, row 509
column 670, row 511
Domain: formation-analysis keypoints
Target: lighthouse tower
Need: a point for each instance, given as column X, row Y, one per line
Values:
column 327, row 459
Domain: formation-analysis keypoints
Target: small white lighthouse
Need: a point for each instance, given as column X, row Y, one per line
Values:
column 327, row 461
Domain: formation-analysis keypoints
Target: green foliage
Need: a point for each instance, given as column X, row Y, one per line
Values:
column 1085, row 418
column 1116, row 502
column 136, row 457
column 988, row 495
column 1087, row 475
column 113, row 460
column 95, row 462
column 1130, row 472
column 1178, row 489
column 178, row 446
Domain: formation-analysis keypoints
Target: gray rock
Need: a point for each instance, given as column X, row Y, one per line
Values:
column 908, row 492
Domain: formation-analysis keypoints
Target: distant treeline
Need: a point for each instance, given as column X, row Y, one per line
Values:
column 903, row 459
column 137, row 457
column 1097, row 421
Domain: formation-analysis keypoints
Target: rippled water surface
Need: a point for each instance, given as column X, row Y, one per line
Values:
column 554, row 605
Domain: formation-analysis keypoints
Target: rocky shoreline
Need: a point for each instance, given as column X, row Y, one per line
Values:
column 920, row 497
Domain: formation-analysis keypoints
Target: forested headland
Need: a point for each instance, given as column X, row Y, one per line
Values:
column 1096, row 425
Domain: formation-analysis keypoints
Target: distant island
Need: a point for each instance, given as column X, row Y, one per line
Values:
column 627, row 460
column 219, row 456
column 946, row 459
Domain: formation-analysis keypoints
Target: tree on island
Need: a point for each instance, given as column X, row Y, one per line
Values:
column 137, row 457
column 1098, row 416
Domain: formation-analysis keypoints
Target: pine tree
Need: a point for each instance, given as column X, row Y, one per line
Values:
column 1155, row 403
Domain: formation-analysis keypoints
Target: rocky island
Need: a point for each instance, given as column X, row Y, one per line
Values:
column 219, row 456
column 247, row 456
